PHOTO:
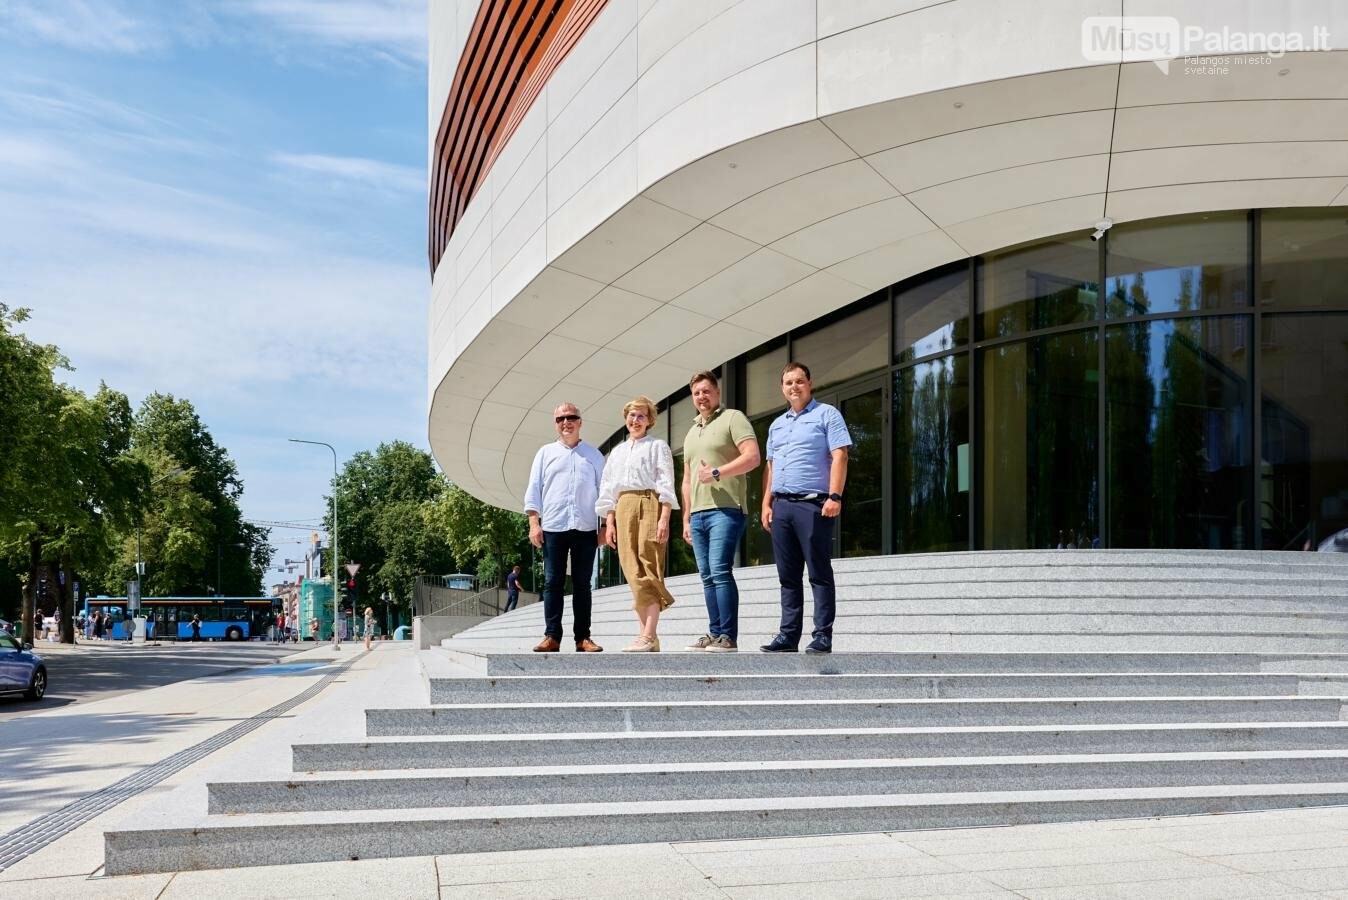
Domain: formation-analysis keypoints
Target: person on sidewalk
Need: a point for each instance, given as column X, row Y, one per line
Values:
column 196, row 627
column 719, row 450
column 635, row 499
column 512, row 589
column 560, row 502
column 802, row 496
column 313, row 629
column 369, row 626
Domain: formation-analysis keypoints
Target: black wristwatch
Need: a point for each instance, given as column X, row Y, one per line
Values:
column 836, row 498
column 715, row 474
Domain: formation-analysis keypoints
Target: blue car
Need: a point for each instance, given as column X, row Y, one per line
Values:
column 21, row 671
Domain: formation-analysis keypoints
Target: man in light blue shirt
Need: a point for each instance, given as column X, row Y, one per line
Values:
column 559, row 501
column 802, row 496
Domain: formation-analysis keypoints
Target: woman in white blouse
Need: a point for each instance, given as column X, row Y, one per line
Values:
column 636, row 495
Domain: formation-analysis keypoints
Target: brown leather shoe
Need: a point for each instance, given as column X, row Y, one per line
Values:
column 549, row 644
column 585, row 645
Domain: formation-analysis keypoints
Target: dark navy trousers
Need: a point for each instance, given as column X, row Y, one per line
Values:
column 558, row 547
column 802, row 539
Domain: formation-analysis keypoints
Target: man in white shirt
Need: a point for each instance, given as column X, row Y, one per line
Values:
column 560, row 503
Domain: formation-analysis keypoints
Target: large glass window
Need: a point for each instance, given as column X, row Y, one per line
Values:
column 931, row 313
column 843, row 349
column 1178, row 425
column 763, row 380
column 1051, row 283
column 680, row 416
column 1178, row 264
column 861, row 524
column 1039, row 427
column 1304, row 472
column 757, row 542
column 1304, row 255
column 931, row 455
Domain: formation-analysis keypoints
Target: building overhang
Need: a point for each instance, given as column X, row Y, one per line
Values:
column 661, row 240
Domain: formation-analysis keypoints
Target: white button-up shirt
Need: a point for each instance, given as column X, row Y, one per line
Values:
column 642, row 465
column 564, row 486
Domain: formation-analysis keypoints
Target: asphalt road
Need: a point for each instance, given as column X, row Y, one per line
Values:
column 81, row 676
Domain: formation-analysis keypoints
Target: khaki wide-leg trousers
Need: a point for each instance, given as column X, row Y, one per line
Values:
column 641, row 556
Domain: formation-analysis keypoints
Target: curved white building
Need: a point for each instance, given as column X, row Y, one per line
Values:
column 901, row 193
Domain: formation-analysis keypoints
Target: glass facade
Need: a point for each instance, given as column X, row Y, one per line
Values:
column 1182, row 383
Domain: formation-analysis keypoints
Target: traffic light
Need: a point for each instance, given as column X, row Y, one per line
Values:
column 352, row 595
column 345, row 589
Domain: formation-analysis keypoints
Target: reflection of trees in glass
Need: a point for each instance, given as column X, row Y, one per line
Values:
column 862, row 516
column 931, row 415
column 757, row 542
column 1177, row 431
column 680, row 560
column 1039, row 442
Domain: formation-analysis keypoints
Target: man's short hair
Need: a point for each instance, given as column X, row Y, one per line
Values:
column 565, row 403
column 792, row 366
column 705, row 376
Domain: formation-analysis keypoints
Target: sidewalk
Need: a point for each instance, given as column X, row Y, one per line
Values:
column 1267, row 854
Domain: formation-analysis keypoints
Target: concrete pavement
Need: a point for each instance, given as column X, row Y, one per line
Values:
column 67, row 753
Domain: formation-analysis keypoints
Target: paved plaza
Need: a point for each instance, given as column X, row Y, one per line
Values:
column 73, row 752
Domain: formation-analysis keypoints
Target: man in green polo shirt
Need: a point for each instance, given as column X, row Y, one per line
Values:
column 719, row 449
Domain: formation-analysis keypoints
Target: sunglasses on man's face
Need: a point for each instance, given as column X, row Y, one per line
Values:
column 567, row 418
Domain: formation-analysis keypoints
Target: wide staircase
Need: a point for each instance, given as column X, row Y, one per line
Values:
column 966, row 689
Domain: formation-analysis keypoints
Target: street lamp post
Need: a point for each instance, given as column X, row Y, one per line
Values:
column 336, row 610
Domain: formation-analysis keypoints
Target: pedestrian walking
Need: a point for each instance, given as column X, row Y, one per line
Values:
column 560, row 503
column 635, row 499
column 718, row 451
column 369, row 626
column 313, row 629
column 196, row 627
column 512, row 589
column 802, row 496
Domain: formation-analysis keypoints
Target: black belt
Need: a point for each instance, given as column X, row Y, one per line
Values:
column 811, row 497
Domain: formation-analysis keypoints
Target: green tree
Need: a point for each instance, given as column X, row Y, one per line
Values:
column 478, row 532
column 384, row 500
column 194, row 522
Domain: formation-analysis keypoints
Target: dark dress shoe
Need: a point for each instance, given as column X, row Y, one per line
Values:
column 779, row 644
column 585, row 645
column 549, row 644
column 820, row 645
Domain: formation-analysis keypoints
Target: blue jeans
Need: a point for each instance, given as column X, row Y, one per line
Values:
column 558, row 547
column 716, row 534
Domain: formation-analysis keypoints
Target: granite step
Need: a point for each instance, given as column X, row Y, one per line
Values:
column 206, row 842
column 654, row 688
column 582, row 718
column 1161, row 640
column 693, row 781
column 886, row 663
column 626, row 748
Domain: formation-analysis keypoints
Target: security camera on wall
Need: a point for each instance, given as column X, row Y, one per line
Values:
column 1100, row 228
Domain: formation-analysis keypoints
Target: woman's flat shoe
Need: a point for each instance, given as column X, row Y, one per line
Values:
column 643, row 644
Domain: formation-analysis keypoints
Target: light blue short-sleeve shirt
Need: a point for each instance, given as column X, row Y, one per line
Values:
column 800, row 447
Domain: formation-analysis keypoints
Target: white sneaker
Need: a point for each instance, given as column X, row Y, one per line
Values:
column 702, row 643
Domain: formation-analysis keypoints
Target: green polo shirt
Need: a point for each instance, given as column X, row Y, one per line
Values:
column 717, row 442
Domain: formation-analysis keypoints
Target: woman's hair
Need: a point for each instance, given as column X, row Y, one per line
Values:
column 646, row 405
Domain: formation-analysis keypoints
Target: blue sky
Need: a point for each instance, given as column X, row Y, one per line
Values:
column 197, row 195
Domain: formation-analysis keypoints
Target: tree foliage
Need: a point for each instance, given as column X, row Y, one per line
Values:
column 485, row 534
column 384, row 501
column 75, row 483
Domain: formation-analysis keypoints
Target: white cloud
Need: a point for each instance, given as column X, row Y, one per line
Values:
column 369, row 172
column 107, row 26
column 395, row 29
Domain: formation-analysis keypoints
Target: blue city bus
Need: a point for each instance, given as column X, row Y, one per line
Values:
column 222, row 618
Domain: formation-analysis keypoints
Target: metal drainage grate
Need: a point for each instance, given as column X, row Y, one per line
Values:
column 29, row 838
